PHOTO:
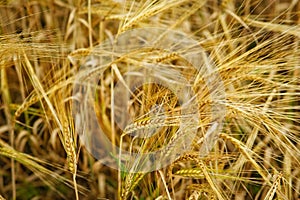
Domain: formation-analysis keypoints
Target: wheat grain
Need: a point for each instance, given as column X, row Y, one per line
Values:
column 167, row 58
column 25, row 105
column 193, row 173
column 149, row 11
column 146, row 123
column 200, row 191
column 131, row 181
column 271, row 193
column 69, row 147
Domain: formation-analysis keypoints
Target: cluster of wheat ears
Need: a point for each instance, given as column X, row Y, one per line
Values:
column 254, row 46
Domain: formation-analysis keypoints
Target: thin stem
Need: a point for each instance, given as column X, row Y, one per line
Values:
column 75, row 185
column 165, row 184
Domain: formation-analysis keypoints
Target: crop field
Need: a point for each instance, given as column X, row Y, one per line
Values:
column 150, row 99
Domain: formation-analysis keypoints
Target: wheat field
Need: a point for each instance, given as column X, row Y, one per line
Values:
column 251, row 92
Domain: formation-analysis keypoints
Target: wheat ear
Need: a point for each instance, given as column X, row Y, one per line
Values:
column 271, row 193
column 244, row 150
column 25, row 105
